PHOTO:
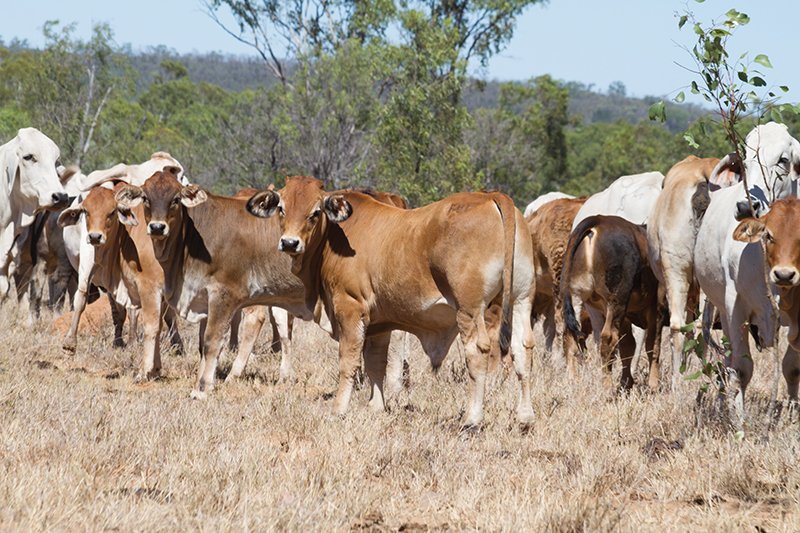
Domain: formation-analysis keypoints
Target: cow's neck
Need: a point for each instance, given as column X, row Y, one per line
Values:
column 170, row 254
column 108, row 260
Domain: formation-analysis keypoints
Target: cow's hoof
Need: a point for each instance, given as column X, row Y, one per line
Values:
column 69, row 346
column 198, row 395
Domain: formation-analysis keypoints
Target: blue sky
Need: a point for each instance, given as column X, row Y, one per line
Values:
column 633, row 41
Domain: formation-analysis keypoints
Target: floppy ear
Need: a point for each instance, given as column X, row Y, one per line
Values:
column 337, row 208
column 127, row 217
column 11, row 164
column 727, row 172
column 749, row 230
column 174, row 170
column 70, row 216
column 263, row 204
column 193, row 195
column 128, row 197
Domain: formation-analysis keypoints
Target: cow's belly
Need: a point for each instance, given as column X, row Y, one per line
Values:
column 434, row 314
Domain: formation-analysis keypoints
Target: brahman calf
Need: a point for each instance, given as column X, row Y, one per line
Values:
column 778, row 230
column 434, row 271
column 606, row 266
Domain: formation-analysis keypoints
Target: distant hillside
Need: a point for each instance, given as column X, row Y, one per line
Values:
column 236, row 73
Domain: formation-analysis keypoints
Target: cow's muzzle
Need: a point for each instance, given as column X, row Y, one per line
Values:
column 743, row 209
column 60, row 200
column 785, row 276
column 95, row 238
column 158, row 229
column 291, row 245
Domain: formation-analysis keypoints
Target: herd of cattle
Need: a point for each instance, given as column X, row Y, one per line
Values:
column 362, row 264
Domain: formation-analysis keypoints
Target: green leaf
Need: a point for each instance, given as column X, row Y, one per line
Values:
column 680, row 97
column 763, row 60
column 742, row 75
column 690, row 140
column 695, row 88
column 682, row 21
column 658, row 111
column 687, row 328
column 758, row 81
column 784, row 88
column 693, row 376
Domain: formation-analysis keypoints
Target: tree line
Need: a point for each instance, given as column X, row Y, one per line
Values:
column 360, row 94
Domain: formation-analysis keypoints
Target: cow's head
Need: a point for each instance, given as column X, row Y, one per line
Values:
column 778, row 229
column 30, row 163
column 304, row 209
column 163, row 198
column 772, row 167
column 100, row 211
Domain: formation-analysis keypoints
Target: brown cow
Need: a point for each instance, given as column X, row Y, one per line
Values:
column 125, row 267
column 550, row 226
column 205, row 245
column 778, row 229
column 432, row 271
column 606, row 266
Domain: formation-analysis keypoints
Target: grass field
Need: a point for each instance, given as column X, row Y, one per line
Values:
column 84, row 447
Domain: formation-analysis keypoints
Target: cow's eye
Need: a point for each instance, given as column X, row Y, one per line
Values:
column 175, row 202
column 281, row 212
column 768, row 237
column 29, row 157
column 314, row 214
column 784, row 162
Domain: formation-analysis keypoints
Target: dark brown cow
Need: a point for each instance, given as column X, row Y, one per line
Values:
column 206, row 246
column 606, row 266
column 778, row 229
column 432, row 271
column 125, row 267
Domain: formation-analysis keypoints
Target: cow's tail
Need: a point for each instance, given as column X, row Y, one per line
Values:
column 508, row 214
column 571, row 321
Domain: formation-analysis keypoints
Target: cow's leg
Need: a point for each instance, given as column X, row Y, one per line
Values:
column 477, row 347
column 171, row 320
column 627, row 350
column 376, row 352
column 677, row 290
column 397, row 368
column 71, row 338
column 740, row 368
column 521, row 348
column 220, row 310
column 6, row 244
column 353, row 322
column 791, row 372
column 609, row 338
column 118, row 316
column 151, row 319
column 549, row 327
column 236, row 322
column 252, row 320
column 133, row 325
column 653, row 348
column 281, row 322
column 201, row 343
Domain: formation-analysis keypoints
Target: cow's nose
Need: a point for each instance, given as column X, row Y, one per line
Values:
column 289, row 244
column 95, row 238
column 784, row 276
column 59, row 198
column 743, row 210
column 157, row 228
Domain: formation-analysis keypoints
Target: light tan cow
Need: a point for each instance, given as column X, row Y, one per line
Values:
column 437, row 271
column 125, row 267
column 671, row 235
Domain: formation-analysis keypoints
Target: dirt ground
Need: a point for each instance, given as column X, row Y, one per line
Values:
column 83, row 446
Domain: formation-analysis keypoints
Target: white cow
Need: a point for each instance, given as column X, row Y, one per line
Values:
column 629, row 197
column 730, row 272
column 29, row 183
column 671, row 236
column 543, row 199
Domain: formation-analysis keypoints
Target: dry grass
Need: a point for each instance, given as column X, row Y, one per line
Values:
column 83, row 447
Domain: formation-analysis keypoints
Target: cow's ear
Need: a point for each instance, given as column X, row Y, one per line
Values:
column 193, row 195
column 727, row 172
column 174, row 170
column 70, row 216
column 264, row 204
column 127, row 217
column 11, row 166
column 749, row 230
column 337, row 208
column 128, row 197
